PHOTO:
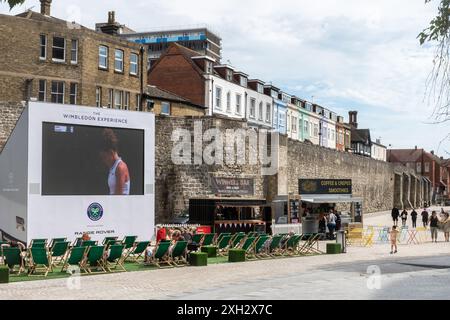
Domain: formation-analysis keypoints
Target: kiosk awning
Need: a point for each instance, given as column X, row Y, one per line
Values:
column 330, row 199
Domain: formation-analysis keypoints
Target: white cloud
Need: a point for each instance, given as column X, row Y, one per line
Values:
column 352, row 54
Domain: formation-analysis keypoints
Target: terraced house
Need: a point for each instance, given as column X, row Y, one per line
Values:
column 52, row 60
column 219, row 88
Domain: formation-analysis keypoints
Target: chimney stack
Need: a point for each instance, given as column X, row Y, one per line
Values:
column 353, row 118
column 112, row 27
column 432, row 152
column 45, row 7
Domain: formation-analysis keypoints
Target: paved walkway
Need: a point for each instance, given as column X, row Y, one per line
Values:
column 239, row 281
column 171, row 283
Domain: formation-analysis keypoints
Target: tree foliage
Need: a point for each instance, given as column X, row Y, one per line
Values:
column 13, row 3
column 438, row 82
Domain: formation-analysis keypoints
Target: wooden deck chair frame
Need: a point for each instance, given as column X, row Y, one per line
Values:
column 223, row 245
column 131, row 253
column 237, row 240
column 69, row 254
column 129, row 242
column 58, row 260
column 249, row 242
column 277, row 251
column 179, row 260
column 258, row 244
column 290, row 248
column 34, row 266
column 118, row 261
column 310, row 245
column 162, row 258
column 21, row 264
column 87, row 266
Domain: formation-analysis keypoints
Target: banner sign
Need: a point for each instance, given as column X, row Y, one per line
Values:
column 233, row 186
column 324, row 186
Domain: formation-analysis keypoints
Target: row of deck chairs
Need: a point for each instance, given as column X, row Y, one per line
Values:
column 261, row 245
column 42, row 257
column 89, row 256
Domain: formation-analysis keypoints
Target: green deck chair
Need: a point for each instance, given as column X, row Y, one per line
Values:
column 223, row 245
column 160, row 255
column 247, row 245
column 219, row 237
column 107, row 240
column 74, row 257
column 179, row 254
column 59, row 251
column 237, row 239
column 291, row 246
column 258, row 247
column 39, row 259
column 38, row 243
column 115, row 257
column 197, row 238
column 208, row 239
column 89, row 243
column 275, row 249
column 55, row 240
column 137, row 250
column 129, row 241
column 94, row 259
column 13, row 259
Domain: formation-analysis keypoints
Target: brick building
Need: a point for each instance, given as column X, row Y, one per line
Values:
column 221, row 89
column 49, row 59
column 163, row 102
column 343, row 135
column 426, row 164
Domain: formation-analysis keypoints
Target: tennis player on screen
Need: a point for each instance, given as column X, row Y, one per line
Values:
column 119, row 176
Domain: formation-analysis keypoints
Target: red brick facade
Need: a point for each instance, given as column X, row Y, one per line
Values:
column 176, row 72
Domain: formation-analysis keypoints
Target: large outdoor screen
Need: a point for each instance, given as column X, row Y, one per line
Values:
column 89, row 160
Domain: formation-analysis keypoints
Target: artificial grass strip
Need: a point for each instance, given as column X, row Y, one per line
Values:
column 129, row 266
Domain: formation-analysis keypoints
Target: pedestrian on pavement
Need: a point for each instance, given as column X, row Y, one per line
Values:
column 393, row 236
column 425, row 217
column 395, row 214
column 414, row 218
column 331, row 224
column 338, row 220
column 322, row 224
column 404, row 217
column 434, row 220
column 446, row 226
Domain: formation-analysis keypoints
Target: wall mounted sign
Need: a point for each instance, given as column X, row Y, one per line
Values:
column 324, row 186
column 233, row 186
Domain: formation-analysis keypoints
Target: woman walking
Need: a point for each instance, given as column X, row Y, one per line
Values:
column 404, row 217
column 446, row 226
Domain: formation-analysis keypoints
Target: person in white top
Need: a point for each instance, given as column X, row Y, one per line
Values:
column 119, row 176
column 331, row 219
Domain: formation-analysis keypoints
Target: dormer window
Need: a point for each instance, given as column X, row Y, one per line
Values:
column 229, row 75
column 260, row 88
column 208, row 67
column 243, row 81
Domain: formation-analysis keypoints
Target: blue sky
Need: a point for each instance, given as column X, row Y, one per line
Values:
column 349, row 55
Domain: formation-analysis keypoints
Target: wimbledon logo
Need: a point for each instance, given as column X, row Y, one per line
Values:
column 95, row 211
